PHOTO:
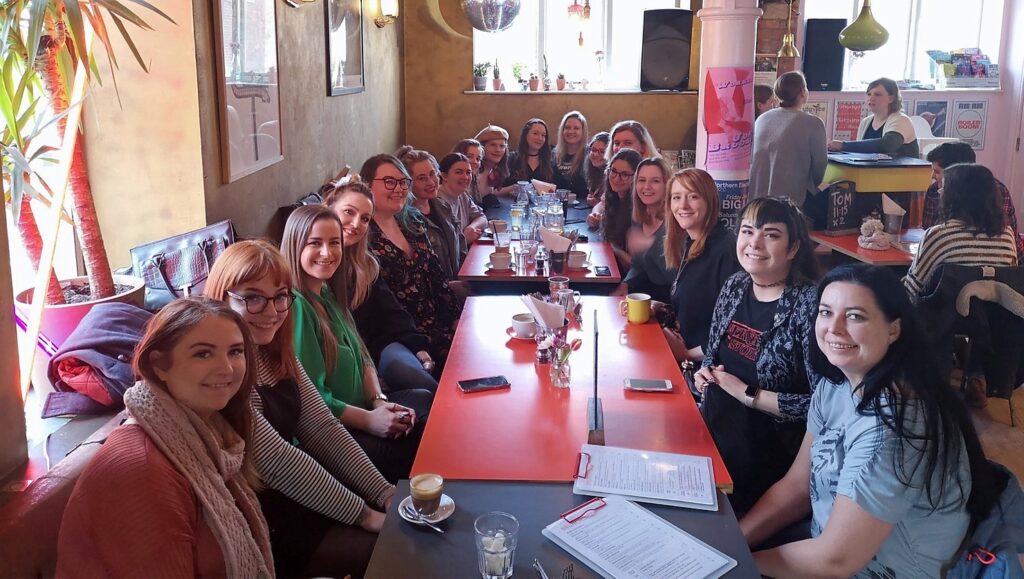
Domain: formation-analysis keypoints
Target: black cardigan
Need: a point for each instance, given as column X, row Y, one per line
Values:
column 381, row 320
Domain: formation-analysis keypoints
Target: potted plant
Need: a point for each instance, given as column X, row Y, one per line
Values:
column 547, row 79
column 560, row 81
column 534, row 82
column 496, row 83
column 40, row 57
column 518, row 70
column 480, row 75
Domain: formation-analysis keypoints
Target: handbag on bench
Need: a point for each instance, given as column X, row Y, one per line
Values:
column 178, row 266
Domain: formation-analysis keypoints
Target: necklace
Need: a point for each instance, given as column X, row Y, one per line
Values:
column 768, row 285
column 534, row 155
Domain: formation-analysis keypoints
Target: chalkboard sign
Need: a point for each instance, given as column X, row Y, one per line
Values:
column 846, row 209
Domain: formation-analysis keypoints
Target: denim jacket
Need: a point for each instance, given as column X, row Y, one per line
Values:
column 783, row 351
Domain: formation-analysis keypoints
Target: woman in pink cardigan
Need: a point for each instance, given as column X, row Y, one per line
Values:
column 170, row 493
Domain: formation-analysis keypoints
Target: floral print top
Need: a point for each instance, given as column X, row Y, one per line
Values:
column 419, row 283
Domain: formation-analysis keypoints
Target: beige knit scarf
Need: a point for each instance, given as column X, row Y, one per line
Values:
column 209, row 455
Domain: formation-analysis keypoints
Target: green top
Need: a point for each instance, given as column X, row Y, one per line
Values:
column 344, row 385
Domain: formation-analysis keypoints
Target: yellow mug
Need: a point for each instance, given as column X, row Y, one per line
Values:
column 636, row 308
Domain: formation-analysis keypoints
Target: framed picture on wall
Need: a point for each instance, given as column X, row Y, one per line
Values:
column 250, row 104
column 344, row 47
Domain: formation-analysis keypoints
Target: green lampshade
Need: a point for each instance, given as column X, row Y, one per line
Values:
column 865, row 33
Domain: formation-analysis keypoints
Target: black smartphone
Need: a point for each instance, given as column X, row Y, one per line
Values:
column 602, row 271
column 483, row 384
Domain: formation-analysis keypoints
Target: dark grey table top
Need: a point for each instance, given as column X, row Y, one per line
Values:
column 406, row 550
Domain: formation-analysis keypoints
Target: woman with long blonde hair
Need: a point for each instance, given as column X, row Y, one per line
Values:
column 646, row 238
column 570, row 152
column 399, row 350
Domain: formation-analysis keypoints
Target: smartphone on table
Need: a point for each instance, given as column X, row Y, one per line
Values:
column 602, row 271
column 641, row 385
column 484, row 384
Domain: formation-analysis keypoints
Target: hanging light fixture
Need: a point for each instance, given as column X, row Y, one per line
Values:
column 586, row 10
column 788, row 49
column 576, row 10
column 865, row 33
column 491, row 15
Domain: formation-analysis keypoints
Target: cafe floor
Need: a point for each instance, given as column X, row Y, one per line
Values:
column 1001, row 428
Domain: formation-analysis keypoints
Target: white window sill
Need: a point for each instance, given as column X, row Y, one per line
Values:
column 578, row 92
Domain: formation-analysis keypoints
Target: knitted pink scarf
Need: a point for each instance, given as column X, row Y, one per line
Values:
column 209, row 455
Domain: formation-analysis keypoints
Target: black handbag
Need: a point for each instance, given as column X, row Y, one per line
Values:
column 178, row 266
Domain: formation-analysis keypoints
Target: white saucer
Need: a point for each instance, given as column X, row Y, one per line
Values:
column 586, row 265
column 512, row 334
column 493, row 268
column 444, row 510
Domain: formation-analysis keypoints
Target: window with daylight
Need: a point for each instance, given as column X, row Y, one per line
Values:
column 915, row 27
column 603, row 50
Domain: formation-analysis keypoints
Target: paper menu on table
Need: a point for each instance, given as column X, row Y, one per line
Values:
column 652, row 477
column 617, row 538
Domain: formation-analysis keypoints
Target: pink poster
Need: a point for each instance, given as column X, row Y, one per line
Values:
column 847, row 119
column 729, row 117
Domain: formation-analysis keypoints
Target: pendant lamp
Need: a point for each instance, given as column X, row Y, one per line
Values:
column 788, row 49
column 491, row 15
column 865, row 33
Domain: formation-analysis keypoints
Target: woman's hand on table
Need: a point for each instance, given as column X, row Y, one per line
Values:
column 371, row 520
column 472, row 233
column 592, row 199
column 835, row 145
column 594, row 219
column 676, row 344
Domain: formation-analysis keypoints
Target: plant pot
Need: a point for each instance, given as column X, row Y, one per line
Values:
column 547, row 84
column 60, row 320
column 560, row 83
column 496, row 83
column 479, row 83
column 534, row 83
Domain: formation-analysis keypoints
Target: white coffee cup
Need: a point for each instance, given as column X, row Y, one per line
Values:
column 523, row 325
column 576, row 259
column 501, row 260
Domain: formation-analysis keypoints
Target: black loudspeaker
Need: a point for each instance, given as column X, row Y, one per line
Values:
column 823, row 55
column 665, row 51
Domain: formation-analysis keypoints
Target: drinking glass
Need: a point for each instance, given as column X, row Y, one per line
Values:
column 496, row 536
column 516, row 216
column 502, row 241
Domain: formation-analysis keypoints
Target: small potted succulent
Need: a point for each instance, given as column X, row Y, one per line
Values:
column 534, row 82
column 560, row 81
column 518, row 70
column 480, row 70
column 496, row 82
column 545, row 76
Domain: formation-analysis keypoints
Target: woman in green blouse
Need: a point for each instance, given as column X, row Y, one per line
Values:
column 330, row 350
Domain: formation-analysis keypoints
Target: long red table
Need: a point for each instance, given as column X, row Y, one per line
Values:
column 533, row 431
column 474, row 268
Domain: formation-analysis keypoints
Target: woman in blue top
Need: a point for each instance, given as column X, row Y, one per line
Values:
column 328, row 346
column 895, row 467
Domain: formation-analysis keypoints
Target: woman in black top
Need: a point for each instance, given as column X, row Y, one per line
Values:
column 756, row 378
column 614, row 214
column 446, row 237
column 594, row 167
column 533, row 159
column 571, row 153
column 701, row 253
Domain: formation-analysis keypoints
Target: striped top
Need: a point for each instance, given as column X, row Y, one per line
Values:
column 330, row 462
column 954, row 242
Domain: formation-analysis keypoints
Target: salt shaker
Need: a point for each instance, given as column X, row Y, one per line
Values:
column 542, row 262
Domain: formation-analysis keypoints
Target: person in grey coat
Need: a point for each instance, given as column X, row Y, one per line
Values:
column 790, row 151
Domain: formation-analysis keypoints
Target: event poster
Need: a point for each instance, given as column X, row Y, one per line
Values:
column 766, row 69
column 847, row 119
column 729, row 117
column 969, row 122
column 934, row 112
column 734, row 196
column 818, row 109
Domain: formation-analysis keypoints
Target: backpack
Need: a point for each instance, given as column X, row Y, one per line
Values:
column 994, row 548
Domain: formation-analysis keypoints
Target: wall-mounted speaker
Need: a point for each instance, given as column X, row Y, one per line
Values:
column 665, row 49
column 823, row 55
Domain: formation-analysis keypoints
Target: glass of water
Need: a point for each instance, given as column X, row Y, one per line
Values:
column 516, row 217
column 496, row 537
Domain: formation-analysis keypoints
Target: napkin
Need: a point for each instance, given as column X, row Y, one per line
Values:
column 547, row 315
column 553, row 241
column 543, row 186
column 890, row 207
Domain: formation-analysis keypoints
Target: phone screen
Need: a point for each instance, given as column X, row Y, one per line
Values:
column 482, row 384
column 602, row 270
column 648, row 385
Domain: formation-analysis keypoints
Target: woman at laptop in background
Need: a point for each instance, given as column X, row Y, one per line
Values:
column 887, row 130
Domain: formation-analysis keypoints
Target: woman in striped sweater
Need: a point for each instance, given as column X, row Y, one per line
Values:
column 974, row 230
column 325, row 501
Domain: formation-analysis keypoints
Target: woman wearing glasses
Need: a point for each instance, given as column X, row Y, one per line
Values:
column 595, row 164
column 324, row 501
column 614, row 213
column 399, row 241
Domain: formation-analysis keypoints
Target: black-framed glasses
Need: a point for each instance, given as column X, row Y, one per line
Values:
column 390, row 183
column 255, row 304
column 620, row 174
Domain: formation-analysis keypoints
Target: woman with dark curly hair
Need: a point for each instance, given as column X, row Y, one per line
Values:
column 974, row 230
